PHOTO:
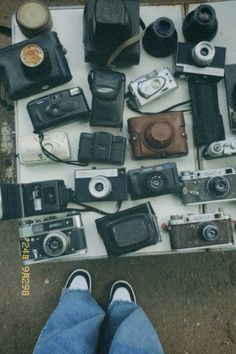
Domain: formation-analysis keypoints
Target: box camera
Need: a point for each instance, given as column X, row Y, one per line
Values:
column 60, row 236
column 151, row 86
column 201, row 59
column 101, row 147
column 100, row 184
column 28, row 199
column 34, row 65
column 153, row 181
column 30, row 151
column 200, row 230
column 58, row 108
column 158, row 136
column 107, row 25
column 208, row 186
column 230, row 82
column 129, row 230
column 220, row 149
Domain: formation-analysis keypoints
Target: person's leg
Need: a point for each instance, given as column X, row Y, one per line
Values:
column 74, row 325
column 127, row 330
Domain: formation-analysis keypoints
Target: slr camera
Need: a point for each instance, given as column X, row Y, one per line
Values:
column 58, row 108
column 58, row 237
column 100, row 184
column 36, row 198
column 101, row 147
column 230, row 82
column 158, row 136
column 153, row 181
column 208, row 186
column 38, row 64
column 200, row 230
column 219, row 149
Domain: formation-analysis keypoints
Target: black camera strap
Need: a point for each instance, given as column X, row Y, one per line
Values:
column 89, row 208
column 6, row 31
column 166, row 110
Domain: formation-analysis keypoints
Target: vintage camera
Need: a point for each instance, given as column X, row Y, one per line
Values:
column 58, row 108
column 101, row 147
column 153, row 181
column 151, row 86
column 158, row 136
column 200, row 59
column 129, row 230
column 100, row 184
column 200, row 230
column 208, row 186
column 230, row 82
column 107, row 25
column 36, row 198
column 219, row 149
column 33, row 66
column 30, row 151
column 58, row 237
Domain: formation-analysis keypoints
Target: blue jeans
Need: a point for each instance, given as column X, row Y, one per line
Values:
column 78, row 326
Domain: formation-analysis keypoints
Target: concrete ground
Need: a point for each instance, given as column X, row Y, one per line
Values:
column 190, row 299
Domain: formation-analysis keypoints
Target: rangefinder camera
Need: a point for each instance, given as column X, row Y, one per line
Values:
column 58, row 237
column 30, row 151
column 219, row 149
column 208, row 186
column 151, row 86
column 153, row 181
column 200, row 230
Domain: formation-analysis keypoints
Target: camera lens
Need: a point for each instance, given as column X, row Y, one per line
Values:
column 208, row 231
column 203, row 53
column 218, row 186
column 55, row 243
column 100, row 187
column 156, row 182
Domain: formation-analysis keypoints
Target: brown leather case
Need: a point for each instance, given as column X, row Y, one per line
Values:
column 158, row 136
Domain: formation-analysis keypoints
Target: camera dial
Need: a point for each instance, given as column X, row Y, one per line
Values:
column 156, row 182
column 100, row 187
column 203, row 53
column 218, row 186
column 208, row 231
column 55, row 243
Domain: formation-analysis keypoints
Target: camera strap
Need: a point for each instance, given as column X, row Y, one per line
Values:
column 89, row 208
column 5, row 30
column 166, row 110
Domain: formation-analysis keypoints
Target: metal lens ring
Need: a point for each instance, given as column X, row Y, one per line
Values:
column 218, row 186
column 203, row 53
column 209, row 231
column 100, row 187
column 156, row 182
column 55, row 243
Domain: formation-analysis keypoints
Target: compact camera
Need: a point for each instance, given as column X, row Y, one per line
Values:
column 30, row 151
column 100, row 184
column 36, row 198
column 101, row 147
column 208, row 186
column 200, row 230
column 151, row 86
column 230, row 82
column 58, row 108
column 58, row 237
column 153, row 181
column 34, row 65
column 200, row 59
column 219, row 149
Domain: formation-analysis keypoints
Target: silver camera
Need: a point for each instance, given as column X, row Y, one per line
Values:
column 55, row 237
column 151, row 86
column 199, row 187
column 221, row 148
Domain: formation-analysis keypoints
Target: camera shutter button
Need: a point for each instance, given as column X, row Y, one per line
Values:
column 159, row 135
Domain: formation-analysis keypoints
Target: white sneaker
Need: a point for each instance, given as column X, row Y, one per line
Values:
column 121, row 290
column 80, row 279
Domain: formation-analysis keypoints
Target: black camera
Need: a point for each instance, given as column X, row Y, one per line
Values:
column 100, row 184
column 28, row 199
column 230, row 82
column 101, row 147
column 34, row 65
column 107, row 25
column 57, row 108
column 153, row 181
column 129, row 230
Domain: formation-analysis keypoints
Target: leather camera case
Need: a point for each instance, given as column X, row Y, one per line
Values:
column 158, row 136
column 108, row 90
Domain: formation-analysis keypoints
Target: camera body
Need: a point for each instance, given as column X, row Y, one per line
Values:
column 200, row 230
column 220, row 149
column 151, row 86
column 58, row 108
column 202, row 59
column 158, row 136
column 208, row 186
column 33, row 66
column 57, row 237
column 100, row 184
column 101, row 147
column 152, row 181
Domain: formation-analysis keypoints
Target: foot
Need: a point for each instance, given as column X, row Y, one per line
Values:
column 79, row 279
column 121, row 290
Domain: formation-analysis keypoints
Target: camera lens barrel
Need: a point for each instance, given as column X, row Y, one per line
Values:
column 55, row 243
column 100, row 187
column 203, row 53
column 209, row 232
column 200, row 24
column 218, row 186
column 160, row 38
